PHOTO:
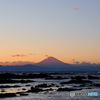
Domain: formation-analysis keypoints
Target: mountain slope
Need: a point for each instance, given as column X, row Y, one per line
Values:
column 51, row 61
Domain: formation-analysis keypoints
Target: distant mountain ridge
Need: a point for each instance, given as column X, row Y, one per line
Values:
column 51, row 64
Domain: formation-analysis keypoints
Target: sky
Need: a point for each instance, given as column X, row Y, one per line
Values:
column 31, row 30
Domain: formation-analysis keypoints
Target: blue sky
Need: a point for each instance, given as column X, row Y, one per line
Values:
column 50, row 27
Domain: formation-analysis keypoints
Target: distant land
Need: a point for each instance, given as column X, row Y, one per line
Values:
column 51, row 64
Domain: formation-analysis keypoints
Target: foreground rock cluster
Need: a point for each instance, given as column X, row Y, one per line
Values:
column 9, row 78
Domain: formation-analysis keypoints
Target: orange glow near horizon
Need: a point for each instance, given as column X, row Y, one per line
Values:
column 31, row 58
column 33, row 30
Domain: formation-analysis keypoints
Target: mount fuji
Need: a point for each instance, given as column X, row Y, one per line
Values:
column 51, row 61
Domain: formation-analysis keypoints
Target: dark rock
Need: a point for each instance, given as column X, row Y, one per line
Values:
column 4, row 81
column 78, row 77
column 23, row 94
column 22, row 76
column 26, row 81
column 34, row 89
column 23, row 89
column 82, row 85
column 27, row 85
column 3, row 90
column 56, row 78
column 7, row 95
column 93, row 77
column 97, row 85
column 67, row 89
column 7, row 86
column 37, row 89
column 76, row 81
column 44, row 85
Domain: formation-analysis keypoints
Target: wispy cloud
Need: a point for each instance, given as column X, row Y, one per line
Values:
column 22, row 55
column 75, row 8
column 75, row 62
column 84, row 62
column 16, row 63
column 19, row 55
column 46, row 56
column 30, row 54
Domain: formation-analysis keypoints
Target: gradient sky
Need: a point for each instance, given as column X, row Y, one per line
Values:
column 65, row 29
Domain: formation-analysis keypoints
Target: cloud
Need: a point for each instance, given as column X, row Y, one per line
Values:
column 30, row 54
column 75, row 8
column 22, row 55
column 84, row 62
column 46, row 55
column 75, row 62
column 19, row 55
column 16, row 63
column 78, row 62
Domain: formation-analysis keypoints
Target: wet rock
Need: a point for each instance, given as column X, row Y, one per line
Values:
column 77, row 81
column 52, row 85
column 67, row 89
column 22, row 76
column 78, row 77
column 97, row 85
column 38, row 89
column 93, row 77
column 82, row 85
column 35, row 89
column 57, row 86
column 26, row 81
column 3, row 90
column 27, row 85
column 56, row 78
column 7, row 86
column 5, row 81
column 23, row 89
column 7, row 95
column 23, row 94
column 44, row 85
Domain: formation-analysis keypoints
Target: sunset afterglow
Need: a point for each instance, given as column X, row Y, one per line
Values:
column 32, row 30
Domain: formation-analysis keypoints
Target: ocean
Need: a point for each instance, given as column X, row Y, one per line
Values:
column 49, row 86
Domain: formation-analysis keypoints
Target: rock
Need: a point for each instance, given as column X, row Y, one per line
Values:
column 56, row 78
column 93, row 77
column 23, row 89
column 44, row 85
column 78, row 77
column 97, row 85
column 23, row 94
column 7, row 95
column 35, row 89
column 67, row 89
column 77, row 81
column 7, row 86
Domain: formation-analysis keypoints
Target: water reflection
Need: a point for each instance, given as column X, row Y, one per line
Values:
column 51, row 83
